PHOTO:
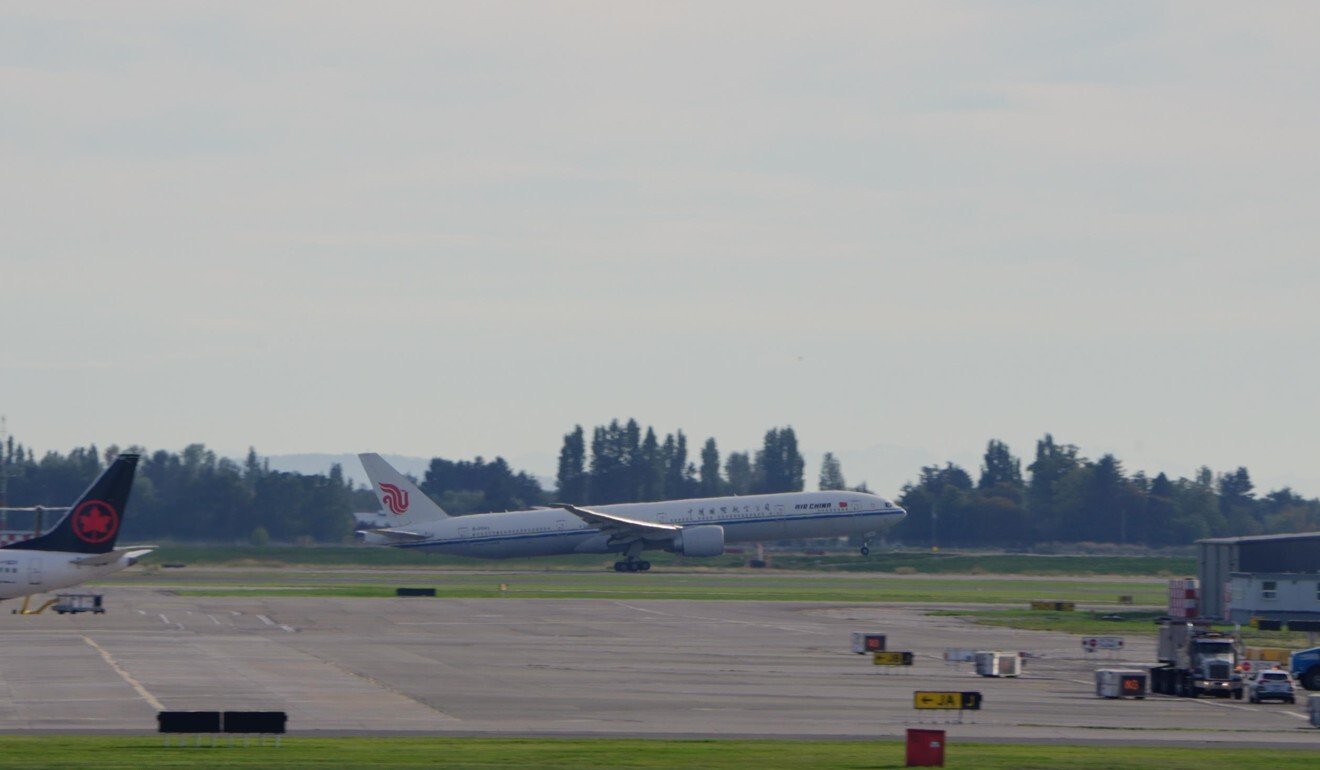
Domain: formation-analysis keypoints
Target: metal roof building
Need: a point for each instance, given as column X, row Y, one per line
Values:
column 1218, row 558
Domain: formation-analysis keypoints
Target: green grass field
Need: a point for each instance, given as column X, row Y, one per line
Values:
column 905, row 561
column 562, row 584
column 607, row 754
column 1082, row 623
column 1086, row 623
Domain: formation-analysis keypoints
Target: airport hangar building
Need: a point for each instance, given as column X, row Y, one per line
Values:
column 1271, row 577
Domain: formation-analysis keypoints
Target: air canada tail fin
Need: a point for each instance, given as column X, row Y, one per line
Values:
column 405, row 503
column 92, row 524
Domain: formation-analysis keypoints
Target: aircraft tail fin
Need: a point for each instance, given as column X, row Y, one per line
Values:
column 405, row 503
column 92, row 523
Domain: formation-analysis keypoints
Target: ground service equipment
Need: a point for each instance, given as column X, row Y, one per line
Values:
column 1197, row 661
column 998, row 663
column 1120, row 683
column 864, row 642
column 1305, row 667
column 76, row 603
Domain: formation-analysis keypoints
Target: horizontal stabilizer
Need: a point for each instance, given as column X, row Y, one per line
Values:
column 110, row 557
column 401, row 535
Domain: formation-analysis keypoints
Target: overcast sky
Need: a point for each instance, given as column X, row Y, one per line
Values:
column 461, row 228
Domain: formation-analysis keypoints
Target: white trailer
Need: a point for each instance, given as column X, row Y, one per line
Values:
column 991, row 663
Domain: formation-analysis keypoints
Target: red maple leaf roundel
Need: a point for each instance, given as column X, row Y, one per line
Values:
column 95, row 521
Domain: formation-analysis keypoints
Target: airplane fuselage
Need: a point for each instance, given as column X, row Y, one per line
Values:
column 33, row 572
column 753, row 518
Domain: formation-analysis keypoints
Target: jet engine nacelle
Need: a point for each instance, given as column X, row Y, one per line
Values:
column 705, row 540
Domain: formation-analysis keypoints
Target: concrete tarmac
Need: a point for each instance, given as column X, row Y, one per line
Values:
column 577, row 667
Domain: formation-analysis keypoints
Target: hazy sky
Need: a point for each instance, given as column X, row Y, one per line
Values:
column 460, row 228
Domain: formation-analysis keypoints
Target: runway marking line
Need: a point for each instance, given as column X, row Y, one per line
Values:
column 127, row 677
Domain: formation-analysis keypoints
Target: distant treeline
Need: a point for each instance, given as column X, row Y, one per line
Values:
column 195, row 495
column 1067, row 498
column 627, row 465
column 1061, row 498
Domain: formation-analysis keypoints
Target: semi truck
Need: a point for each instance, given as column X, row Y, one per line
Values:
column 1196, row 661
column 1305, row 667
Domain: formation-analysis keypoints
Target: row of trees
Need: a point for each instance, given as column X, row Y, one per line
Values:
column 194, row 494
column 1059, row 497
column 1069, row 498
column 628, row 465
column 477, row 486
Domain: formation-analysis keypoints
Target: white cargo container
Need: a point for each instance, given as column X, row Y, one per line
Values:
column 1313, row 703
column 1121, row 683
column 998, row 663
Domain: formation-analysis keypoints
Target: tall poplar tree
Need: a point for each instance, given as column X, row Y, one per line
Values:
column 572, row 477
column 711, row 484
column 831, row 473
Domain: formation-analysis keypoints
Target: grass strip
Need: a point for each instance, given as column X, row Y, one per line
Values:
column 1132, row 623
column 902, row 561
column 123, row 753
column 692, row 587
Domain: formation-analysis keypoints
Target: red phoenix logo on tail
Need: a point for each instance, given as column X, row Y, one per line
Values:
column 395, row 499
column 95, row 521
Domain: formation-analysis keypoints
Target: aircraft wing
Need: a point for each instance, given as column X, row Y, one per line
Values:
column 398, row 534
column 110, row 557
column 609, row 522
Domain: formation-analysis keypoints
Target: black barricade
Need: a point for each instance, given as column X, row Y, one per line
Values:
column 266, row 722
column 414, row 592
column 1304, row 625
column 188, row 721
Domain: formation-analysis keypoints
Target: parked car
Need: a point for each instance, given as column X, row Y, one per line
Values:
column 1272, row 684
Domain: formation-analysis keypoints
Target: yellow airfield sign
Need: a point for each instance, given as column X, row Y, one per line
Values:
column 949, row 701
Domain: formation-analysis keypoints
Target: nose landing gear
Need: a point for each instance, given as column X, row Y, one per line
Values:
column 866, row 547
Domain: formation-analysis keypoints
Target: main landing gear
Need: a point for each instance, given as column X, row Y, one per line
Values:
column 631, row 562
column 866, row 547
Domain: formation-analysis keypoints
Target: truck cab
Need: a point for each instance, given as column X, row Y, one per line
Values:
column 1305, row 666
column 1196, row 661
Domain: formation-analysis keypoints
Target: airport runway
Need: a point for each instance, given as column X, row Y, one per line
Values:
column 572, row 667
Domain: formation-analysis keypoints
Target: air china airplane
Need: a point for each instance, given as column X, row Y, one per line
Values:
column 689, row 527
column 82, row 546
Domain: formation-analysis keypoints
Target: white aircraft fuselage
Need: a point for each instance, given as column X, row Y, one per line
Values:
column 33, row 572
column 552, row 531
